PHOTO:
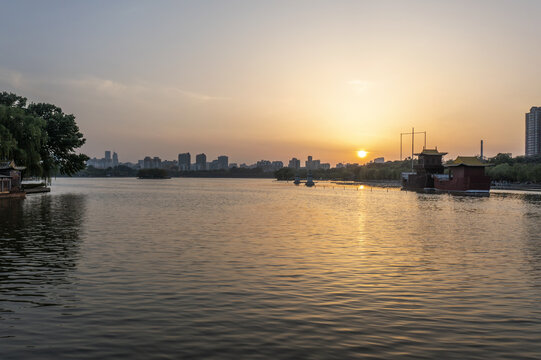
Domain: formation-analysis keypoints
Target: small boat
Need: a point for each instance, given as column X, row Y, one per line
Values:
column 297, row 180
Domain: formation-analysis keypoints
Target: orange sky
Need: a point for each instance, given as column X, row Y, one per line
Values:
column 277, row 80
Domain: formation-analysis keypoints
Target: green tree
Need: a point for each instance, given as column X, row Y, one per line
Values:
column 40, row 137
column 285, row 173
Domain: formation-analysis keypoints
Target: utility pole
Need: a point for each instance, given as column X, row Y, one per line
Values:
column 412, row 147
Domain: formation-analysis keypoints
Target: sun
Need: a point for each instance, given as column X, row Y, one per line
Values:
column 361, row 153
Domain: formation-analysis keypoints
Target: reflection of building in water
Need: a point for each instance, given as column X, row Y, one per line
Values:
column 40, row 244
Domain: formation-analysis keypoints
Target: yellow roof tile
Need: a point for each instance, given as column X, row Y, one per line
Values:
column 467, row 161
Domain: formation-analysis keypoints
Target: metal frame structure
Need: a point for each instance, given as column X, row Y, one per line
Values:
column 412, row 133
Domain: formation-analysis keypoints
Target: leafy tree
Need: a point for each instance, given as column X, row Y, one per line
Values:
column 284, row 174
column 40, row 137
column 502, row 158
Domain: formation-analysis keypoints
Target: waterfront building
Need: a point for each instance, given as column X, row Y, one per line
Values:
column 201, row 161
column 10, row 179
column 115, row 159
column 533, row 131
column 294, row 163
column 324, row 166
column 380, row 160
column 184, row 161
column 233, row 165
column 157, row 162
column 223, row 162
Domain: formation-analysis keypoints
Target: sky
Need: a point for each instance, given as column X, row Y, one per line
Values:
column 279, row 79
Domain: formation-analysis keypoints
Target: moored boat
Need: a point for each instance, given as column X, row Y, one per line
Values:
column 422, row 179
column 466, row 176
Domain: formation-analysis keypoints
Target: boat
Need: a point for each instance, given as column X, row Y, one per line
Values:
column 297, row 180
column 465, row 175
column 428, row 165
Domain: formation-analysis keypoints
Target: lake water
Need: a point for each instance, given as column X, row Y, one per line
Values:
column 230, row 269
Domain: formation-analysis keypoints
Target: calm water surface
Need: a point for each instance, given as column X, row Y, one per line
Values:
column 219, row 268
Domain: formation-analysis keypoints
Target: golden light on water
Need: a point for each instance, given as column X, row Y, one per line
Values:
column 361, row 153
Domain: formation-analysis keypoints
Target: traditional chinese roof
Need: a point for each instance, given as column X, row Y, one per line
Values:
column 7, row 165
column 466, row 161
column 431, row 152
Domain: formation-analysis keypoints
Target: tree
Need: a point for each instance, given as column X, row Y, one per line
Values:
column 40, row 137
column 285, row 173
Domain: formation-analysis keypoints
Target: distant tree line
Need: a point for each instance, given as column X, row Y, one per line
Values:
column 505, row 168
column 152, row 174
column 390, row 170
column 517, row 169
column 117, row 171
column 125, row 171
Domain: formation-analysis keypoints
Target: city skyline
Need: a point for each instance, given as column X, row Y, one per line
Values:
column 200, row 162
column 215, row 76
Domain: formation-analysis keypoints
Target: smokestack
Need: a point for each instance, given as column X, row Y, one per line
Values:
column 482, row 157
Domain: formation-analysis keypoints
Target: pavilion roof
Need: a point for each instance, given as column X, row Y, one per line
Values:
column 466, row 161
column 431, row 152
column 6, row 165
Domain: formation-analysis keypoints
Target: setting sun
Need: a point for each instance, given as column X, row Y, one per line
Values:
column 361, row 153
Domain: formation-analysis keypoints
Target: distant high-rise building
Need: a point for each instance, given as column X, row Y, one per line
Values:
column 294, row 164
column 223, row 162
column 277, row 165
column 312, row 164
column 115, row 159
column 148, row 163
column 157, row 162
column 184, row 161
column 108, row 162
column 201, row 161
column 533, row 131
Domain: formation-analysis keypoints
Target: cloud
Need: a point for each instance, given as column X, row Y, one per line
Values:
column 12, row 78
column 97, row 85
